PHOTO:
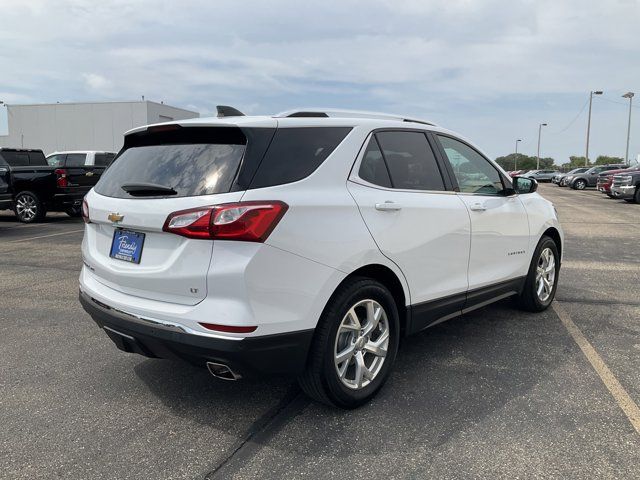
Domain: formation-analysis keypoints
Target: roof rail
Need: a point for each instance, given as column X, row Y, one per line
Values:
column 334, row 113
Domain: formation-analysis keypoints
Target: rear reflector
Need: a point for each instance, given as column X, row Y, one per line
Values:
column 244, row 221
column 228, row 328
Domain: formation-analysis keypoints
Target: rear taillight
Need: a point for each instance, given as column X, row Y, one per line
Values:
column 245, row 221
column 61, row 177
column 85, row 211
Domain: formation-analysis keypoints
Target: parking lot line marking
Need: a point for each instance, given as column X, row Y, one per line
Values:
column 626, row 403
column 45, row 236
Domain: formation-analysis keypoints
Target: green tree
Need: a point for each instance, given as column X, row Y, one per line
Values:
column 606, row 160
column 575, row 162
column 524, row 162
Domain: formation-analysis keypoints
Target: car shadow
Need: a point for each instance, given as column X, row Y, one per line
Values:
column 445, row 378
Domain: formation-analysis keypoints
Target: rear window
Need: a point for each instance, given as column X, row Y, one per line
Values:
column 295, row 153
column 191, row 169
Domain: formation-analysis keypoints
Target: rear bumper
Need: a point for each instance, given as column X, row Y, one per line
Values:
column 66, row 200
column 280, row 354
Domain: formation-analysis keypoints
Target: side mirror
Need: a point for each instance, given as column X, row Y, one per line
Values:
column 524, row 185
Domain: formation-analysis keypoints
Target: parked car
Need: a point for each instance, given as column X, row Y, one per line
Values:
column 81, row 169
column 605, row 180
column 307, row 243
column 580, row 181
column 86, row 158
column 31, row 187
column 626, row 186
column 560, row 178
column 541, row 175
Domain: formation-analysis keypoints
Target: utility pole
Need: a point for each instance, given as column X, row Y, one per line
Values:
column 515, row 165
column 538, row 155
column 628, row 95
column 591, row 94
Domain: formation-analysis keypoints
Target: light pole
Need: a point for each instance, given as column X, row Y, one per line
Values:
column 628, row 95
column 539, row 134
column 591, row 94
column 515, row 165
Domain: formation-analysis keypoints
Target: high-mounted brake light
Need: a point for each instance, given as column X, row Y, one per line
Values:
column 245, row 221
column 85, row 211
column 61, row 177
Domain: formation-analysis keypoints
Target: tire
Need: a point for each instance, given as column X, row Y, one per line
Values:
column 337, row 332
column 579, row 184
column 28, row 207
column 529, row 299
column 636, row 196
column 74, row 212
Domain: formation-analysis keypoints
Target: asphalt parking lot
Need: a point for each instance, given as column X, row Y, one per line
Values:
column 494, row 394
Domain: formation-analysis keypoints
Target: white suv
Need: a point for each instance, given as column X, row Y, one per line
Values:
column 306, row 243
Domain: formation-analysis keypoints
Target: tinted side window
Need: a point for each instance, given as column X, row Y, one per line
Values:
column 474, row 172
column 411, row 161
column 103, row 159
column 295, row 153
column 372, row 167
column 37, row 158
column 16, row 159
column 75, row 159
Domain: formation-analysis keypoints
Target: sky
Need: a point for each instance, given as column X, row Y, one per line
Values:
column 490, row 70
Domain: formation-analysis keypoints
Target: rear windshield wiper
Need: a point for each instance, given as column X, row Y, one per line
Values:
column 147, row 189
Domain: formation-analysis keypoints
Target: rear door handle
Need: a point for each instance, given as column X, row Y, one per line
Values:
column 388, row 206
column 478, row 207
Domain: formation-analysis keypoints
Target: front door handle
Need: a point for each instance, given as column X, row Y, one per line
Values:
column 478, row 207
column 388, row 206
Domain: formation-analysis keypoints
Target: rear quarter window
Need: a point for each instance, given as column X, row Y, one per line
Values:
column 295, row 153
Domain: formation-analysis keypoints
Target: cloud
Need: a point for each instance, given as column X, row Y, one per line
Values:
column 96, row 82
column 490, row 69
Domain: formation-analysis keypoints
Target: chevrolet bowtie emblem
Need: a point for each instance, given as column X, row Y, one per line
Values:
column 115, row 217
column 89, row 174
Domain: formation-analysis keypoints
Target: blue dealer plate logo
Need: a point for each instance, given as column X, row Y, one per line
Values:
column 127, row 246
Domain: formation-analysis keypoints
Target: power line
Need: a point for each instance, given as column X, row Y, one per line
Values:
column 572, row 121
column 618, row 103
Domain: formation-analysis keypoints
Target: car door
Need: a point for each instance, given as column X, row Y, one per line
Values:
column 499, row 254
column 415, row 219
column 77, row 173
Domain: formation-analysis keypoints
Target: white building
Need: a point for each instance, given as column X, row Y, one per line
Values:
column 82, row 126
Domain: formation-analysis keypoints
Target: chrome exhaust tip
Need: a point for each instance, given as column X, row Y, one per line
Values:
column 222, row 372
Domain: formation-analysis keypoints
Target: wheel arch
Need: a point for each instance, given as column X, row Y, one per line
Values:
column 389, row 279
column 554, row 234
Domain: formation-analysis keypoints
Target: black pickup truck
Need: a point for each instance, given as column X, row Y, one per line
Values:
column 31, row 187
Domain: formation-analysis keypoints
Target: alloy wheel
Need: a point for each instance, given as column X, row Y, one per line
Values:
column 361, row 345
column 545, row 274
column 26, row 207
